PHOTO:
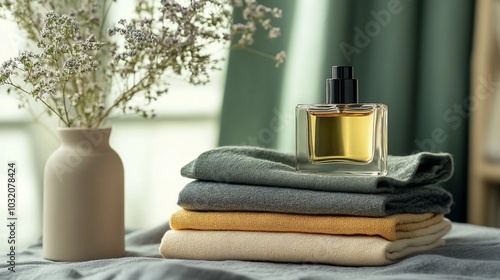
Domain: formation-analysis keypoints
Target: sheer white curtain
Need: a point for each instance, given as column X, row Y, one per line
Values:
column 307, row 17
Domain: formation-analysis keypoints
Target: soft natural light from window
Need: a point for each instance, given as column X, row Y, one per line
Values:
column 299, row 65
column 152, row 150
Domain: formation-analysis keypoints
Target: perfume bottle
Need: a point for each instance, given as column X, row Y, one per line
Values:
column 342, row 137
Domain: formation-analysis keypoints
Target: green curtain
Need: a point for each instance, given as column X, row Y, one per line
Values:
column 413, row 56
column 253, row 86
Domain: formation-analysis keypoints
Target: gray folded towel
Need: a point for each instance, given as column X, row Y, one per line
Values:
column 215, row 196
column 265, row 167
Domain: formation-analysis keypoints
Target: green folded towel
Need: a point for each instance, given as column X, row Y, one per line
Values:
column 215, row 196
column 265, row 167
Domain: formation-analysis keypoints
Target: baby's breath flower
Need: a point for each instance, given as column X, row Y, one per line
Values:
column 266, row 24
column 88, row 110
column 236, row 3
column 275, row 32
column 246, row 40
column 280, row 58
column 251, row 27
column 277, row 13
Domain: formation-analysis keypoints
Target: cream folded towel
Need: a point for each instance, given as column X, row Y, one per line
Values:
column 391, row 228
column 293, row 247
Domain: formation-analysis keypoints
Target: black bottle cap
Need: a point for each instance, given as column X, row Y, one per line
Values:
column 342, row 88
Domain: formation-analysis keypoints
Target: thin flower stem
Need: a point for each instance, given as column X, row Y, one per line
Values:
column 254, row 51
column 32, row 27
column 47, row 105
column 129, row 93
column 36, row 120
column 60, row 117
column 104, row 17
column 64, row 104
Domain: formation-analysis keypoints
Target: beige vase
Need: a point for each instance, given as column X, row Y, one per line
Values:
column 83, row 199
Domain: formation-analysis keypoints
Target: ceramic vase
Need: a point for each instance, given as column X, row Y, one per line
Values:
column 83, row 199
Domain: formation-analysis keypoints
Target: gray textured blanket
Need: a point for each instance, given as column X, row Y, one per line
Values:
column 264, row 167
column 471, row 253
column 213, row 196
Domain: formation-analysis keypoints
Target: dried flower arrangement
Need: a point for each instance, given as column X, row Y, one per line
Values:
column 82, row 72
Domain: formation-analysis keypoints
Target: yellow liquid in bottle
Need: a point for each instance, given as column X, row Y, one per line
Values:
column 346, row 136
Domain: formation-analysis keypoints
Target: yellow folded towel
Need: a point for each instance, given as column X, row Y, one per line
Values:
column 345, row 250
column 391, row 227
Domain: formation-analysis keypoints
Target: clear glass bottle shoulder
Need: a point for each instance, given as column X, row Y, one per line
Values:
column 343, row 108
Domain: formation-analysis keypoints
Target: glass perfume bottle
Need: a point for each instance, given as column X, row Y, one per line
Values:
column 342, row 137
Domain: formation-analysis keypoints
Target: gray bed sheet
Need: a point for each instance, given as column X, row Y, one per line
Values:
column 471, row 252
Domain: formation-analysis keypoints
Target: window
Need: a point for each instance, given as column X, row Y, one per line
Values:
column 152, row 150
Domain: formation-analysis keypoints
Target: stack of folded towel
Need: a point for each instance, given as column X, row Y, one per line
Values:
column 249, row 203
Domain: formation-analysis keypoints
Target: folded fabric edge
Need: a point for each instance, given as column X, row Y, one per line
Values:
column 386, row 227
column 290, row 247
